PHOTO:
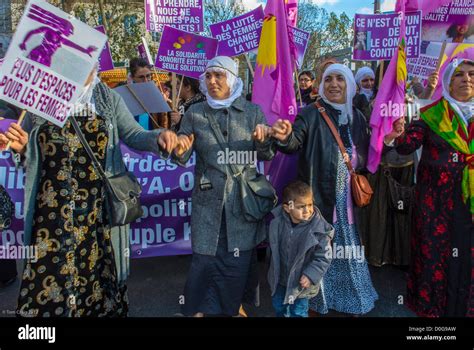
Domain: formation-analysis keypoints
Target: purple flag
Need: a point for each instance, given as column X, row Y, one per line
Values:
column 389, row 104
column 273, row 88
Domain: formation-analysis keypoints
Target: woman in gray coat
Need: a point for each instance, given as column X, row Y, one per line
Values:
column 81, row 261
column 222, row 239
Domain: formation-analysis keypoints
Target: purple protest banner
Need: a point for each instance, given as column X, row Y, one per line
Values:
column 185, row 53
column 453, row 23
column 48, row 61
column 13, row 180
column 301, row 40
column 5, row 123
column 376, row 36
column 426, row 63
column 141, row 52
column 187, row 15
column 105, row 59
column 144, row 51
column 240, row 34
column 165, row 228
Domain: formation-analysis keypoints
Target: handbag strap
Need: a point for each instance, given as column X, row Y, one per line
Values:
column 140, row 102
column 85, row 144
column 335, row 133
column 221, row 141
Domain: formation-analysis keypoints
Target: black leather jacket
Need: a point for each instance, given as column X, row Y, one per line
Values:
column 317, row 163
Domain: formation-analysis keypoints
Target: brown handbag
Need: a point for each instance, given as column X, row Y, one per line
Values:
column 361, row 190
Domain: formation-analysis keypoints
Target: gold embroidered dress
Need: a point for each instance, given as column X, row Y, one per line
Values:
column 75, row 273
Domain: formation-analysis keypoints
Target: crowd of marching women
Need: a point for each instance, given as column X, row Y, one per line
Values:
column 342, row 211
column 81, row 269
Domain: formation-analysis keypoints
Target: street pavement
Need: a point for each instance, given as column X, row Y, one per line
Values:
column 156, row 285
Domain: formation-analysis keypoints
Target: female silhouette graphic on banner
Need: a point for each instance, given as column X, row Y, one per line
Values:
column 56, row 31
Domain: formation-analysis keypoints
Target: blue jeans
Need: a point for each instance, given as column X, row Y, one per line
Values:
column 298, row 309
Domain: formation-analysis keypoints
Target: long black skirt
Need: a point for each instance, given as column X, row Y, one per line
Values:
column 216, row 284
column 385, row 232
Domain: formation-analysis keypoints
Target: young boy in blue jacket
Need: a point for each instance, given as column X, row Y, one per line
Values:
column 300, row 241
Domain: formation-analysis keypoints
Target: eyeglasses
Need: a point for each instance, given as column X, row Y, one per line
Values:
column 305, row 80
column 143, row 77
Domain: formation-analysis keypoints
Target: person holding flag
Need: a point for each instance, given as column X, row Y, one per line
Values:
column 440, row 281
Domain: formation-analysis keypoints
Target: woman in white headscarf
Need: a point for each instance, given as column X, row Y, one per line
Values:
column 365, row 80
column 440, row 279
column 82, row 262
column 223, row 241
column 347, row 286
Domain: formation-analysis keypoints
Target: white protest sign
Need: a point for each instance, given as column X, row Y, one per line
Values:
column 48, row 61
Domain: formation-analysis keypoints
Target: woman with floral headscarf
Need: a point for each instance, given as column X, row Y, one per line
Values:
column 223, row 241
column 347, row 285
column 440, row 281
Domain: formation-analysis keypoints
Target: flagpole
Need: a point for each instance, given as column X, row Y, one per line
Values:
column 382, row 63
column 158, row 79
column 438, row 66
column 297, row 85
column 249, row 64
column 173, row 89
column 179, row 92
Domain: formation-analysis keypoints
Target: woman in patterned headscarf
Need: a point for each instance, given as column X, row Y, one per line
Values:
column 440, row 281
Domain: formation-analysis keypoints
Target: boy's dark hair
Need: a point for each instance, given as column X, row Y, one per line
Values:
column 294, row 190
column 308, row 73
column 193, row 83
column 136, row 63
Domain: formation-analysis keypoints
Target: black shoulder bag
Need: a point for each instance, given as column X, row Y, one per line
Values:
column 122, row 190
column 258, row 197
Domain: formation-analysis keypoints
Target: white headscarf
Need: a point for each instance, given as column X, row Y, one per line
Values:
column 85, row 100
column 360, row 75
column 464, row 109
column 345, row 108
column 223, row 64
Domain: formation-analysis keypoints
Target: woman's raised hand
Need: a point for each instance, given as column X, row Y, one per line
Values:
column 17, row 136
column 281, row 130
column 398, row 130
